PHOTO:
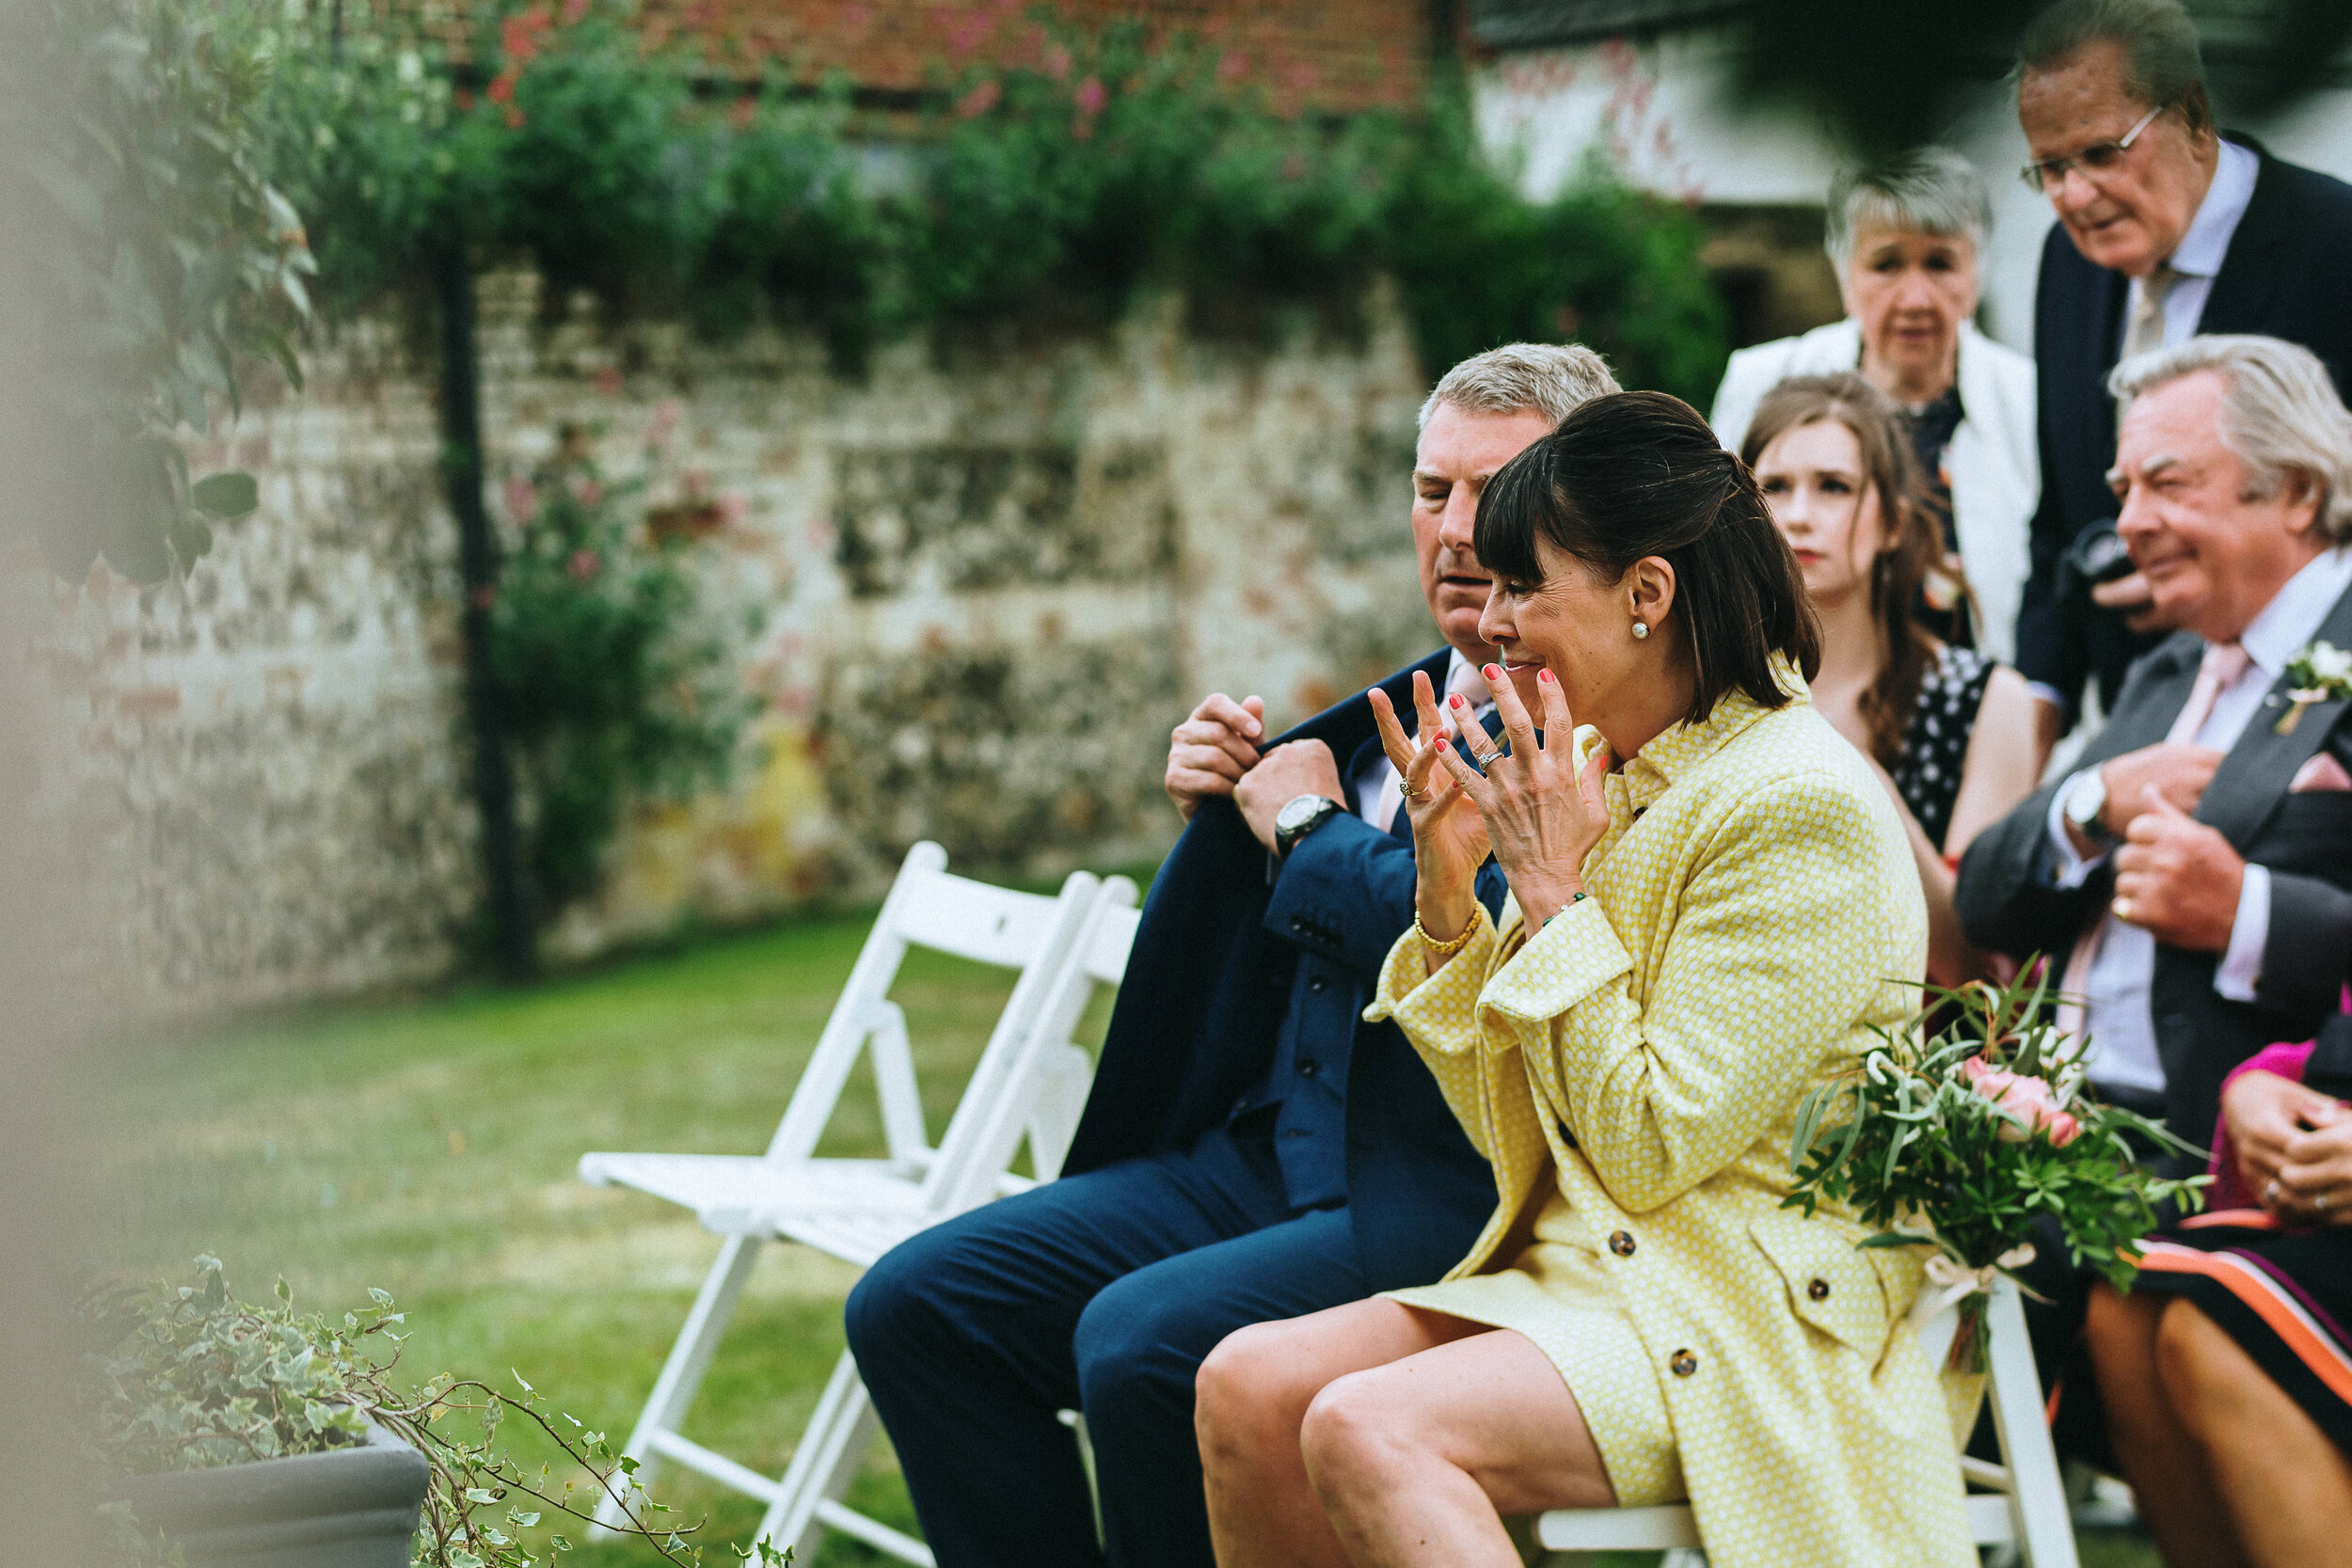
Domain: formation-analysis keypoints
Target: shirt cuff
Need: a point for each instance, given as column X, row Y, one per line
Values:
column 2067, row 869
column 2241, row 967
column 2044, row 691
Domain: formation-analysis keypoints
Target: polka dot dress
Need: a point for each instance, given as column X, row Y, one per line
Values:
column 1632, row 1072
column 1935, row 742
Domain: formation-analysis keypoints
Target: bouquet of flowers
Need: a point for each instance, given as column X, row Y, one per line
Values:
column 1965, row 1125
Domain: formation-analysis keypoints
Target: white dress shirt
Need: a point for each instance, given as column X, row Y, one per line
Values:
column 2196, row 261
column 2122, row 1031
column 1377, row 790
column 2197, row 258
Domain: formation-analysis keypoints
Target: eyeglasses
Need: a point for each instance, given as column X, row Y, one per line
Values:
column 2096, row 161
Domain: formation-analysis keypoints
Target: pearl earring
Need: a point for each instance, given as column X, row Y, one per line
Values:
column 1641, row 629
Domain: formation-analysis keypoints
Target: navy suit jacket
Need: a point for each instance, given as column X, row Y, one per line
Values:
column 2287, row 274
column 1221, row 958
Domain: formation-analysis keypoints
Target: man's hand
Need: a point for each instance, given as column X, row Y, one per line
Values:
column 1212, row 750
column 2177, row 773
column 2265, row 1114
column 2178, row 878
column 2132, row 596
column 1285, row 773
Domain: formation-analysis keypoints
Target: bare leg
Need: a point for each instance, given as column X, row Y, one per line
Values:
column 1416, row 1461
column 2176, row 1492
column 2288, row 1488
column 1250, row 1400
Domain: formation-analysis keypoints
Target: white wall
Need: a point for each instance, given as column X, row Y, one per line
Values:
column 1662, row 114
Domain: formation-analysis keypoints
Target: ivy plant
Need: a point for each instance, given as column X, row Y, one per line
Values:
column 617, row 679
column 166, row 258
column 185, row 1377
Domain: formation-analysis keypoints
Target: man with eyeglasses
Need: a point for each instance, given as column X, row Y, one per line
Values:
column 2165, row 228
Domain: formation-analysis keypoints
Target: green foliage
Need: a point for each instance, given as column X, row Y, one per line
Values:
column 1913, row 1149
column 164, row 257
column 614, row 682
column 184, row 1377
column 1114, row 160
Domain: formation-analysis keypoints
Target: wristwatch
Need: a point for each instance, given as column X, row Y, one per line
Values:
column 2085, row 799
column 1300, row 816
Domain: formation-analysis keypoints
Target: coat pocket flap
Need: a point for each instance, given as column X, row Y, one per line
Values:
column 1831, row 1283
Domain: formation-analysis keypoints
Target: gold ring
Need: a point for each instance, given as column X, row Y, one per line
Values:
column 1410, row 793
column 2123, row 907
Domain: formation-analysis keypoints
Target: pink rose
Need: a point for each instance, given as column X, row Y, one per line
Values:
column 2028, row 1099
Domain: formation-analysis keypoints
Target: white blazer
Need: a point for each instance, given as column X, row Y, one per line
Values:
column 1995, row 466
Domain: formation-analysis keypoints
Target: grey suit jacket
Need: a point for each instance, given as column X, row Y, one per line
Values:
column 2008, row 902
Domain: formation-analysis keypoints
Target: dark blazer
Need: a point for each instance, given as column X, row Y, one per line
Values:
column 2008, row 901
column 2287, row 274
column 1221, row 958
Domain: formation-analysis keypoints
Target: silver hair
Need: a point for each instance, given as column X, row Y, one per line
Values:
column 1554, row 379
column 2163, row 67
column 1928, row 190
column 2279, row 413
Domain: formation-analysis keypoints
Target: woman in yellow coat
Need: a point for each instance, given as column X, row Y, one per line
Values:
column 1695, row 937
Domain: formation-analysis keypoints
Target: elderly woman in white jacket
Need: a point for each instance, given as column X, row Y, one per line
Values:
column 1904, row 236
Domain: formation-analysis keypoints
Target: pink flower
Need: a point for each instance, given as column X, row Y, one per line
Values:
column 1092, row 95
column 979, row 100
column 1057, row 61
column 522, row 499
column 583, row 564
column 2028, row 1099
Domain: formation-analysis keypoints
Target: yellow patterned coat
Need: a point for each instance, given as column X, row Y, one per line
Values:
column 1633, row 1073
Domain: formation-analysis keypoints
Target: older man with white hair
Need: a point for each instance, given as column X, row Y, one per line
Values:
column 2195, row 873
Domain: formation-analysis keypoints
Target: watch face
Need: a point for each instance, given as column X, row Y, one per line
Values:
column 1298, row 813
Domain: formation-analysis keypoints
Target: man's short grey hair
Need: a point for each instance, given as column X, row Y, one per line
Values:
column 1554, row 379
column 1928, row 190
column 2163, row 67
column 2279, row 413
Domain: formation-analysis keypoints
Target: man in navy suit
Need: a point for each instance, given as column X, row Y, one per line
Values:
column 1251, row 1149
column 2166, row 229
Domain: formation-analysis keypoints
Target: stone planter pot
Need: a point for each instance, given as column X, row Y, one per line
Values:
column 352, row 1508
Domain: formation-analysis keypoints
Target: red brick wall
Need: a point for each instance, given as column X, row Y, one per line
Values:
column 1329, row 55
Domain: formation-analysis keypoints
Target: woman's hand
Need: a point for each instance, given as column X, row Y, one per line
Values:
column 1542, row 814
column 2269, row 1119
column 1449, row 840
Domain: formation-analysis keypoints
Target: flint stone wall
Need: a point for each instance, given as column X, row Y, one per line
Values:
column 989, row 578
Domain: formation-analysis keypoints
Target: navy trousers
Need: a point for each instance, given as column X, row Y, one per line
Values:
column 1102, row 1292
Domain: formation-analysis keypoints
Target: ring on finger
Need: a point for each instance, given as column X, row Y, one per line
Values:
column 1415, row 793
column 2319, row 1205
column 2123, row 910
column 2270, row 1192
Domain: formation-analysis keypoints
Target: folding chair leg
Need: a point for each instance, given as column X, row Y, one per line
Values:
column 2037, row 1496
column 808, row 1499
column 682, row 1373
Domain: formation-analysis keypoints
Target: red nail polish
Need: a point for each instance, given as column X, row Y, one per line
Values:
column 1493, row 671
column 1543, row 674
column 1455, row 699
column 1441, row 744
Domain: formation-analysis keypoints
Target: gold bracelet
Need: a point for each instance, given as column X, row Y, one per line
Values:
column 1444, row 949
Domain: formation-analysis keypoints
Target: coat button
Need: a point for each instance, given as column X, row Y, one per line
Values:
column 1684, row 1363
column 1621, row 1242
column 1819, row 1289
column 1305, row 1069
column 1315, row 983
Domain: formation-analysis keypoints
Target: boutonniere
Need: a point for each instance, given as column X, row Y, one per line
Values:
column 2322, row 672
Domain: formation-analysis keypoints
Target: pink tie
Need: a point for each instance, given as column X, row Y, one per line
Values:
column 2220, row 670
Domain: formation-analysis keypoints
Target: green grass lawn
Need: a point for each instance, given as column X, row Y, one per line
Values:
column 428, row 1148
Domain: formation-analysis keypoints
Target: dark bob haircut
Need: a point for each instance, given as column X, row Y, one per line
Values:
column 1638, row 474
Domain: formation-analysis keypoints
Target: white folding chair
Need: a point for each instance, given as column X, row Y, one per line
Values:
column 857, row 1210
column 2023, row 1503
